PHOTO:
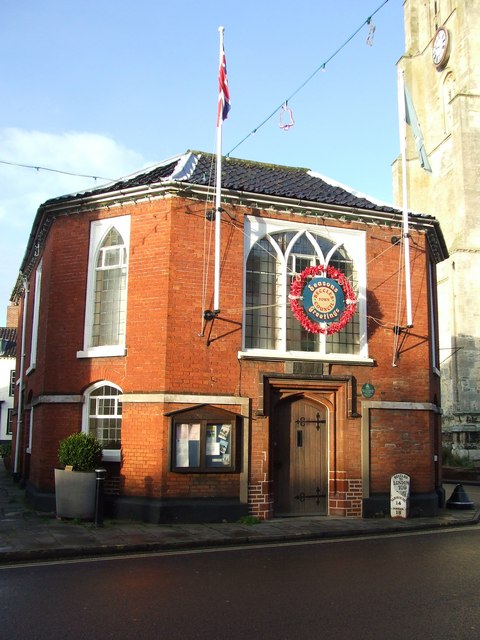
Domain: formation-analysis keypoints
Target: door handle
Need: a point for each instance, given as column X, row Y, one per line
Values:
column 299, row 438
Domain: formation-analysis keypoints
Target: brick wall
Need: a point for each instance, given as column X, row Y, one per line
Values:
column 401, row 442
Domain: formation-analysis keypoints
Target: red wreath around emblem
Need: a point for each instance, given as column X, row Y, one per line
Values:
column 296, row 289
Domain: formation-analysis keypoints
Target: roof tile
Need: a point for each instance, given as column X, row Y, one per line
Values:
column 247, row 176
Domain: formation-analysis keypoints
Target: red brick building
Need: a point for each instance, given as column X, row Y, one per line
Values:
column 212, row 413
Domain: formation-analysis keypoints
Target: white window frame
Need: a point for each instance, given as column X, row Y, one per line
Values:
column 108, row 455
column 98, row 231
column 11, row 389
column 353, row 240
column 35, row 319
column 9, row 424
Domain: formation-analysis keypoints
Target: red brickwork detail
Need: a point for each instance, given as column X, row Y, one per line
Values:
column 260, row 500
column 347, row 499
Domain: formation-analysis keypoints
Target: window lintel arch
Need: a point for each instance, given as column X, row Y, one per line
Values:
column 96, row 385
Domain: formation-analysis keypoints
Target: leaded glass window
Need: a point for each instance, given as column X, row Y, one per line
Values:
column 273, row 261
column 109, row 309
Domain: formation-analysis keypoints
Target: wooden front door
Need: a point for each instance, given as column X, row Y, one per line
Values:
column 300, row 459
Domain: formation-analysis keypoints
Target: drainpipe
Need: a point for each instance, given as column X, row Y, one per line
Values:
column 16, row 463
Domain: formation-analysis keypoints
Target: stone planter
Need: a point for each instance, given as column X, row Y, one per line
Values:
column 75, row 494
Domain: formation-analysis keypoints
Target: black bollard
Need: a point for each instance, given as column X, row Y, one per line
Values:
column 98, row 522
column 459, row 499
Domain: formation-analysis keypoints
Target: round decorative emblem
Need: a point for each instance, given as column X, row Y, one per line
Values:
column 322, row 299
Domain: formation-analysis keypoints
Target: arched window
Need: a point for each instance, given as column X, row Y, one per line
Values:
column 273, row 260
column 103, row 417
column 106, row 302
column 110, row 291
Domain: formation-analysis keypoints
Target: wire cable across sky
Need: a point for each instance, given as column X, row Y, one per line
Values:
column 310, row 77
column 285, row 102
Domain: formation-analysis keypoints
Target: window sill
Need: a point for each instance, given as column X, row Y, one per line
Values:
column 111, row 455
column 344, row 358
column 103, row 352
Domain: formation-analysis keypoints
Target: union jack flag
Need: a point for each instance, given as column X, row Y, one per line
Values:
column 223, row 92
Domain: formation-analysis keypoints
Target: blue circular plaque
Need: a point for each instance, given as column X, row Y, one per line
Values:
column 323, row 300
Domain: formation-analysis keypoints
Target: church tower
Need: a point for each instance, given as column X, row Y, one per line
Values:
column 441, row 67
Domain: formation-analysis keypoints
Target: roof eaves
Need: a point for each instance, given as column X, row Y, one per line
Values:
column 307, row 207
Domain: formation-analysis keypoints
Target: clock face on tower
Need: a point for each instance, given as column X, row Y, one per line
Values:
column 440, row 48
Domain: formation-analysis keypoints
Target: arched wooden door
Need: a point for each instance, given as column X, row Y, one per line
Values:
column 300, row 459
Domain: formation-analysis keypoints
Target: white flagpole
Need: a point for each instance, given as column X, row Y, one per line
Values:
column 402, row 124
column 218, row 196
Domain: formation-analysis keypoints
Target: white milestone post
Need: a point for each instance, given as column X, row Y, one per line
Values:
column 218, row 194
column 402, row 124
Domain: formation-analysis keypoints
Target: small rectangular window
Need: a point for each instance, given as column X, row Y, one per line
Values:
column 11, row 390
column 10, row 422
column 204, row 446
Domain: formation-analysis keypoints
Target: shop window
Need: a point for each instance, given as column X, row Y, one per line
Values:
column 204, row 441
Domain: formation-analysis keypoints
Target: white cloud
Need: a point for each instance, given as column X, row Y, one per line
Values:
column 23, row 190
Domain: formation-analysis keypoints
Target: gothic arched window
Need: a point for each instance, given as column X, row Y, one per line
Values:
column 106, row 301
column 273, row 260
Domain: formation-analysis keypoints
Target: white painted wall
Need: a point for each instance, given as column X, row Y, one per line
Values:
column 7, row 365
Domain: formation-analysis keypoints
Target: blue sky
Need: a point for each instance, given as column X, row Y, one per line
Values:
column 104, row 88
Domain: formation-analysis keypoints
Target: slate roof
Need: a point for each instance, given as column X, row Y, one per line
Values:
column 243, row 176
column 195, row 169
column 8, row 342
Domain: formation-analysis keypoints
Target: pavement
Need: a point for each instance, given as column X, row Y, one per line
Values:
column 27, row 535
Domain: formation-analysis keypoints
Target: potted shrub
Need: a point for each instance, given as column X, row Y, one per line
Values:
column 6, row 455
column 75, row 484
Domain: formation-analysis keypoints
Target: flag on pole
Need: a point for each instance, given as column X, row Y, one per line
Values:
column 223, row 92
column 411, row 118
